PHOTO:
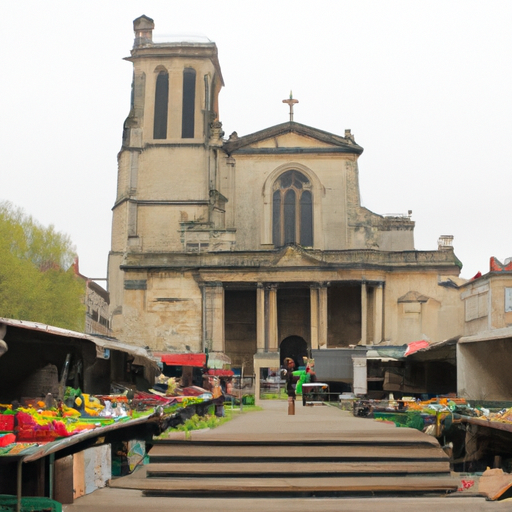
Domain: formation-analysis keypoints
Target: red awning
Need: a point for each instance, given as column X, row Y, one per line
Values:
column 220, row 373
column 184, row 359
column 415, row 346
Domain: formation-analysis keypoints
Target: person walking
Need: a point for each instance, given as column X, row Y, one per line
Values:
column 289, row 364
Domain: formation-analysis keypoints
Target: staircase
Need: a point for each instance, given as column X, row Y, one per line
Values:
column 389, row 462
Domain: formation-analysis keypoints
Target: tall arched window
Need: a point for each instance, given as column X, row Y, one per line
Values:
column 189, row 103
column 161, row 105
column 292, row 209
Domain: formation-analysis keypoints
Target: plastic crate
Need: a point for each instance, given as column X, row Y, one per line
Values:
column 8, row 503
column 248, row 400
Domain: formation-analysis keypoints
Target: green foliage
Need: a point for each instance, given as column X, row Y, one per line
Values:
column 414, row 420
column 208, row 421
column 198, row 423
column 72, row 392
column 190, row 400
column 37, row 282
column 171, row 409
column 282, row 395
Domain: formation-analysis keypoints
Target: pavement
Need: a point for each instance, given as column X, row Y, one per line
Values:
column 273, row 421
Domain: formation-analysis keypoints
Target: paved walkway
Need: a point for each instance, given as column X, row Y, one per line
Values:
column 273, row 422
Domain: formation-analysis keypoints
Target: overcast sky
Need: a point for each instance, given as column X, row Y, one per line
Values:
column 425, row 87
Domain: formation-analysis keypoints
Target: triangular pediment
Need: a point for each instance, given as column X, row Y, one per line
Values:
column 289, row 140
column 295, row 256
column 291, row 137
column 413, row 296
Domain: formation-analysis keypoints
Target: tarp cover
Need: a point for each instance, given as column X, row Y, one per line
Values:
column 219, row 361
column 187, row 359
column 415, row 346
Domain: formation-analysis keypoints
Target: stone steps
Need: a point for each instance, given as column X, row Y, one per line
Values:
column 255, row 467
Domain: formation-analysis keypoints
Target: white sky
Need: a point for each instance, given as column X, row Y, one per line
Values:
column 425, row 87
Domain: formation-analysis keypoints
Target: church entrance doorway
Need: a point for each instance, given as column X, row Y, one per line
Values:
column 294, row 347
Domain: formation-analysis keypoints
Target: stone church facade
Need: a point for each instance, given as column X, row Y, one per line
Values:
column 257, row 245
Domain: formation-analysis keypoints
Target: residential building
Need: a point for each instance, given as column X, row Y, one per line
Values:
column 484, row 352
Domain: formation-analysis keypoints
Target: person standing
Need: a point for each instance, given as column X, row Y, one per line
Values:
column 290, row 384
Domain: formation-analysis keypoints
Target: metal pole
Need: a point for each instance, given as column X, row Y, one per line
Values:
column 241, row 394
column 18, row 486
column 50, row 474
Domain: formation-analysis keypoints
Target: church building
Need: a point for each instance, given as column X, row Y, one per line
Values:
column 255, row 246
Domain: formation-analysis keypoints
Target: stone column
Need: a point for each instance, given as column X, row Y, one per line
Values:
column 364, row 314
column 260, row 318
column 175, row 103
column 213, row 313
column 322, row 315
column 272, row 318
column 313, row 306
column 229, row 191
column 360, row 382
column 378, row 310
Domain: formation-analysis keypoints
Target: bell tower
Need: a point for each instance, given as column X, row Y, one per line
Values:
column 167, row 199
column 175, row 88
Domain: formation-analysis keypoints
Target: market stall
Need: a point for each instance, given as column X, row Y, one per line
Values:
column 44, row 359
column 45, row 448
column 67, row 396
column 476, row 434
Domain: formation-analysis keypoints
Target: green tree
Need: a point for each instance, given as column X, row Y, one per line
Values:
column 37, row 282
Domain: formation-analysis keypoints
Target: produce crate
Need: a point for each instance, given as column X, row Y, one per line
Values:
column 29, row 430
column 6, row 422
column 37, row 436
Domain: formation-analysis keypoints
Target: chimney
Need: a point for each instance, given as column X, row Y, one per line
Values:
column 143, row 28
column 445, row 242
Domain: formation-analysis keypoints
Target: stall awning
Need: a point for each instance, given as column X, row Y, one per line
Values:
column 140, row 354
column 438, row 351
column 112, row 344
column 218, row 361
column 415, row 346
column 187, row 359
column 220, row 373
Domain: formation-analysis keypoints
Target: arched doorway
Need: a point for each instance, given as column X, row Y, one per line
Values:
column 294, row 347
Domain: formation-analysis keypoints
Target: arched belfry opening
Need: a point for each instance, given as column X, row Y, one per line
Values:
column 189, row 102
column 294, row 347
column 161, row 105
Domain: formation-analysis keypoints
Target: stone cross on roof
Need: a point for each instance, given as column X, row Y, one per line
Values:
column 290, row 101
